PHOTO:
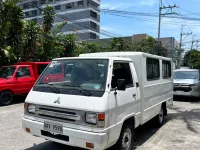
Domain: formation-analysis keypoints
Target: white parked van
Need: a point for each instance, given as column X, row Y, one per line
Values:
column 106, row 97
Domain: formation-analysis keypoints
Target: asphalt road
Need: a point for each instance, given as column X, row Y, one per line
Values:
column 181, row 130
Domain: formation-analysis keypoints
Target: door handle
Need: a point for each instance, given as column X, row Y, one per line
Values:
column 134, row 95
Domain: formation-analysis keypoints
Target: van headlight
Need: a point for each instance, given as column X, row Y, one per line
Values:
column 31, row 108
column 91, row 118
column 95, row 119
column 195, row 84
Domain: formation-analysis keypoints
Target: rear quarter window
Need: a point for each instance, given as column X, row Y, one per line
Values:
column 41, row 68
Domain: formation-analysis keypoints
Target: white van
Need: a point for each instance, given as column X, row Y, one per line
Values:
column 107, row 96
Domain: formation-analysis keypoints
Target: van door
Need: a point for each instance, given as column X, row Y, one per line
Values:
column 25, row 79
column 122, row 104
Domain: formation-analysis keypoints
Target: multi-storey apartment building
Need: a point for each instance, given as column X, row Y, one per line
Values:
column 83, row 16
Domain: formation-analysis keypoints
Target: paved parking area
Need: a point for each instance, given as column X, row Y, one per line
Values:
column 180, row 131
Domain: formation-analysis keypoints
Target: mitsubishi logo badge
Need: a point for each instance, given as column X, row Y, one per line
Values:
column 57, row 101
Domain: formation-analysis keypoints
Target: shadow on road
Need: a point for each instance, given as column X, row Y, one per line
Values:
column 187, row 99
column 188, row 116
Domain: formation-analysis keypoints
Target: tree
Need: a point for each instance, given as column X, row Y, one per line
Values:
column 150, row 45
column 119, row 44
column 11, row 30
column 192, row 59
column 31, row 41
column 87, row 47
column 14, row 15
column 49, row 14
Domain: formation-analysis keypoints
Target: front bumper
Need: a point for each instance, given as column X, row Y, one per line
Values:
column 190, row 94
column 77, row 138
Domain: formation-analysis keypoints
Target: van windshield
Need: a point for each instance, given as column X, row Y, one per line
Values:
column 77, row 73
column 7, row 72
column 186, row 75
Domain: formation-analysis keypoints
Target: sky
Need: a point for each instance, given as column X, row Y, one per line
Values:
column 127, row 26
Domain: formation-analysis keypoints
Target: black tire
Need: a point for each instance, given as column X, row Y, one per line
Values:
column 159, row 118
column 126, row 139
column 6, row 98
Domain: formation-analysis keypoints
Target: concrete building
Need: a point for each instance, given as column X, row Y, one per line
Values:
column 83, row 16
column 169, row 43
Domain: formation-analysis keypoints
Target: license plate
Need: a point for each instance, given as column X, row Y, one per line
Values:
column 52, row 127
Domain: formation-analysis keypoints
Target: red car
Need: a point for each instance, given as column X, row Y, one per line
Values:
column 18, row 79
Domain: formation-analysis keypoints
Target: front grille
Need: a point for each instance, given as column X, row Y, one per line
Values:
column 58, row 136
column 58, row 114
column 185, row 89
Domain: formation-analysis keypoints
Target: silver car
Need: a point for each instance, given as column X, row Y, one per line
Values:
column 187, row 82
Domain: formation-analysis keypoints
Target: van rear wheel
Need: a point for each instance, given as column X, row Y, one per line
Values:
column 159, row 118
column 6, row 98
column 126, row 139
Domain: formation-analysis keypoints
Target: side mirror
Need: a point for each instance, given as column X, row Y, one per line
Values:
column 17, row 75
column 121, row 85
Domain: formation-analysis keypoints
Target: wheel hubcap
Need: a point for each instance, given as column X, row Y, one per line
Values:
column 127, row 138
column 6, row 97
column 161, row 116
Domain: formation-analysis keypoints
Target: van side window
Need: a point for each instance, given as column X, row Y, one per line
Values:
column 121, row 71
column 153, row 69
column 24, row 72
column 166, row 69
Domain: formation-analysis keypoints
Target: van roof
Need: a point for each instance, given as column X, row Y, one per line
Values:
column 91, row 57
column 117, row 54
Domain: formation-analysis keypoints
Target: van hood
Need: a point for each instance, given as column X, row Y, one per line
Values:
column 186, row 81
column 84, row 103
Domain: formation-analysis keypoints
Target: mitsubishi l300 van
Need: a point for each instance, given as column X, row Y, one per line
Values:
column 101, row 101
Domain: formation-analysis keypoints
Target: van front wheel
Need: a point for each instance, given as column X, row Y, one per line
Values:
column 126, row 139
column 6, row 98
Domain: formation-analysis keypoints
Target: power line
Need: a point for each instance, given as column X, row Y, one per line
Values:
column 147, row 14
column 146, row 19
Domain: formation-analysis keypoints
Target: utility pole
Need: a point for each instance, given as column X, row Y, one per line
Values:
column 159, row 22
column 181, row 40
column 192, row 42
column 168, row 12
column 197, row 45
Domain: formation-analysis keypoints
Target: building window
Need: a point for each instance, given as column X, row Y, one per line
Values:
column 121, row 71
column 69, row 5
column 43, row 2
column 34, row 4
column 27, row 14
column 93, row 25
column 166, row 69
column 26, row 6
column 34, row 13
column 80, row 3
column 153, row 69
column 50, row 1
column 93, row 14
column 57, row 7
column 93, row 35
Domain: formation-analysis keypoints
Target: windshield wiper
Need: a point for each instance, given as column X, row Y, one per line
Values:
column 80, row 89
column 52, row 87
